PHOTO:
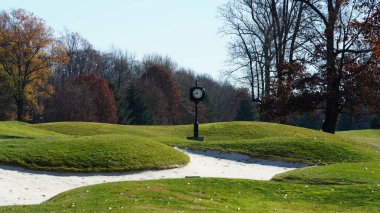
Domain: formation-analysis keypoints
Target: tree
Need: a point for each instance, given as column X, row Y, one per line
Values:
column 90, row 100
column 159, row 91
column 220, row 104
column 121, row 70
column 265, row 49
column 136, row 110
column 327, row 61
column 342, row 55
column 80, row 54
column 6, row 106
column 246, row 111
column 27, row 58
column 375, row 123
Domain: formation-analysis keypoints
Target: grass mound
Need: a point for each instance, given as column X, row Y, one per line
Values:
column 347, row 173
column 47, row 150
column 82, row 128
column 209, row 195
column 257, row 139
column 96, row 147
column 336, row 174
column 278, row 142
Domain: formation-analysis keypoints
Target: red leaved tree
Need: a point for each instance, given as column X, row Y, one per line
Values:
column 83, row 98
column 161, row 94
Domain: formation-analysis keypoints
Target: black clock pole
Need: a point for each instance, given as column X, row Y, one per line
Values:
column 197, row 94
column 196, row 123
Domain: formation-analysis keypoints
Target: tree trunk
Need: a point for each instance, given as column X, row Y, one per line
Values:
column 333, row 81
column 20, row 108
column 267, row 65
column 330, row 121
column 331, row 115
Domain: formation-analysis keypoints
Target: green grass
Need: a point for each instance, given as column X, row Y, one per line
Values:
column 369, row 138
column 347, row 178
column 257, row 139
column 210, row 195
column 48, row 150
column 335, row 174
column 95, row 147
column 347, row 173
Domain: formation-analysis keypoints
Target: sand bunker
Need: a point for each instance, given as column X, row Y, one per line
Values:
column 20, row 186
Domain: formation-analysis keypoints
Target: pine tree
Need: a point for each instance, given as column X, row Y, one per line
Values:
column 137, row 110
column 246, row 111
column 375, row 124
column 122, row 110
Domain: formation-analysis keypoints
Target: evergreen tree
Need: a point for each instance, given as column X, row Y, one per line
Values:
column 137, row 110
column 345, row 122
column 121, row 105
column 375, row 124
column 122, row 110
column 211, row 109
column 311, row 120
column 246, row 111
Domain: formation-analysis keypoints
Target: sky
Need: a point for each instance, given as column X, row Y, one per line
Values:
column 185, row 30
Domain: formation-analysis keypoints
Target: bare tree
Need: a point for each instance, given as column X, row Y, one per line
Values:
column 339, row 53
column 265, row 36
column 77, row 50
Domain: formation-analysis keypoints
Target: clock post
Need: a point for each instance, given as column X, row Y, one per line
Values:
column 197, row 94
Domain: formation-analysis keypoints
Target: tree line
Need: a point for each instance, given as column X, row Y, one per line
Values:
column 312, row 64
column 306, row 57
column 47, row 79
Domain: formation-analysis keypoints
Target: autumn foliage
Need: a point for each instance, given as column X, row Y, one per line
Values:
column 161, row 94
column 27, row 54
column 86, row 97
column 310, row 62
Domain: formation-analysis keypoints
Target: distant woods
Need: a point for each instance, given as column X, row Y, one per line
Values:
column 47, row 79
column 312, row 64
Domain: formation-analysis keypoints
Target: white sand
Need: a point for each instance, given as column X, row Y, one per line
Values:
column 20, row 186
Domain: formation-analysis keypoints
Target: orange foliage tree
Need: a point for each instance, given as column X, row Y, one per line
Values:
column 27, row 54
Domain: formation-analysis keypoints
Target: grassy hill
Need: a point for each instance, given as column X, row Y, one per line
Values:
column 95, row 147
column 346, row 180
column 257, row 139
column 367, row 172
column 97, row 150
column 210, row 195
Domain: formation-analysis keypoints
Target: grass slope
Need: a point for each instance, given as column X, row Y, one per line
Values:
column 210, row 195
column 35, row 148
column 348, row 173
column 369, row 138
column 257, row 139
column 96, row 147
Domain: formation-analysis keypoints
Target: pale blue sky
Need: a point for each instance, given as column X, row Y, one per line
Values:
column 185, row 30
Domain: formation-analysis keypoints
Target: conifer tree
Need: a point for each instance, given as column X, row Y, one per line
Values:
column 246, row 111
column 137, row 111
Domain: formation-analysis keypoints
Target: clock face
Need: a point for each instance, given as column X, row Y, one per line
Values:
column 197, row 93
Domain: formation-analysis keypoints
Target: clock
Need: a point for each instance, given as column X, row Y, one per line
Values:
column 197, row 94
